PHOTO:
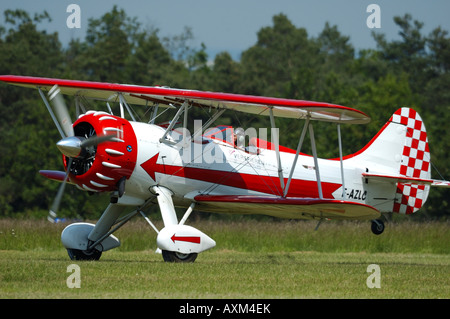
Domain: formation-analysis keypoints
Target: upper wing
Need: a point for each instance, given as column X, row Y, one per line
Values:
column 140, row 95
column 295, row 208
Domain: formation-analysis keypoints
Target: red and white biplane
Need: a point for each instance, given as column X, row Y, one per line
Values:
column 142, row 163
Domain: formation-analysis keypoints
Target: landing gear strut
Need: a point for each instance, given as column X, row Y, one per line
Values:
column 377, row 226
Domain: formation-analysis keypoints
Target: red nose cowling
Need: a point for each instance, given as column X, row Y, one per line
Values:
column 108, row 162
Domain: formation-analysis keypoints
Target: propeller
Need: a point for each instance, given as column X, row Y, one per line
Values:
column 70, row 145
column 75, row 146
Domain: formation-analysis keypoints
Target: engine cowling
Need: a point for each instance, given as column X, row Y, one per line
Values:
column 103, row 166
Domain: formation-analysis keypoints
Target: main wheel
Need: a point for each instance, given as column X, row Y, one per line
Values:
column 76, row 254
column 377, row 226
column 172, row 256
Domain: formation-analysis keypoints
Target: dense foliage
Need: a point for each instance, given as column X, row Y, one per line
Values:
column 284, row 62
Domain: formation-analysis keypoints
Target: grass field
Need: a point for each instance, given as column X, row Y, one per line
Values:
column 252, row 259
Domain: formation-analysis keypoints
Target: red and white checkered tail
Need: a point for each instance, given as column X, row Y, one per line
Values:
column 415, row 162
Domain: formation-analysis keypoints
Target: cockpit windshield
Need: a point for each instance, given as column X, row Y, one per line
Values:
column 222, row 133
column 232, row 137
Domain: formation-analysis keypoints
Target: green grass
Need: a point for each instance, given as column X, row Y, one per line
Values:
column 251, row 260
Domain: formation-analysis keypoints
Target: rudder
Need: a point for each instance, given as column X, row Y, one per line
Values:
column 415, row 162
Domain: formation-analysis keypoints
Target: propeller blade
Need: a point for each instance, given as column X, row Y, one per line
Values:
column 61, row 111
column 52, row 214
column 95, row 140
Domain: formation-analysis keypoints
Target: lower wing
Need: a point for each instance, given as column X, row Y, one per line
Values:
column 295, row 208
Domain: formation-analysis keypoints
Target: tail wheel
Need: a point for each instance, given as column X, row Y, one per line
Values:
column 377, row 226
column 172, row 256
column 76, row 254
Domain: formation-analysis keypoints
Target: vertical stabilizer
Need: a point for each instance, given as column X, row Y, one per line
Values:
column 415, row 162
column 399, row 156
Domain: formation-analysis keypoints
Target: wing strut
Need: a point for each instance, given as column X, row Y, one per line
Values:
column 185, row 123
column 275, row 139
column 316, row 163
column 294, row 164
column 340, row 159
column 123, row 102
column 174, row 121
column 155, row 112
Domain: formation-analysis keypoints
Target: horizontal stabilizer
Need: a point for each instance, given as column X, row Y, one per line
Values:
column 290, row 207
column 439, row 183
column 405, row 180
column 397, row 179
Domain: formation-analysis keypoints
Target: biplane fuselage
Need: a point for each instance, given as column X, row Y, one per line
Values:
column 208, row 166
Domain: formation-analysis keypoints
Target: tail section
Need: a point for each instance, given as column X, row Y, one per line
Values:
column 415, row 162
column 399, row 155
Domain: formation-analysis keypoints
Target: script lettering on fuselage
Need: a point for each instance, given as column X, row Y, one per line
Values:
column 252, row 159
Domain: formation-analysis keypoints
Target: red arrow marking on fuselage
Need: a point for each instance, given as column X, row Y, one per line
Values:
column 259, row 183
column 151, row 167
column 189, row 239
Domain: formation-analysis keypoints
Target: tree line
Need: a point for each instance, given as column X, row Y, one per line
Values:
column 284, row 62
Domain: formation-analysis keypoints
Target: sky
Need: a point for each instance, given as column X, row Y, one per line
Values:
column 232, row 25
